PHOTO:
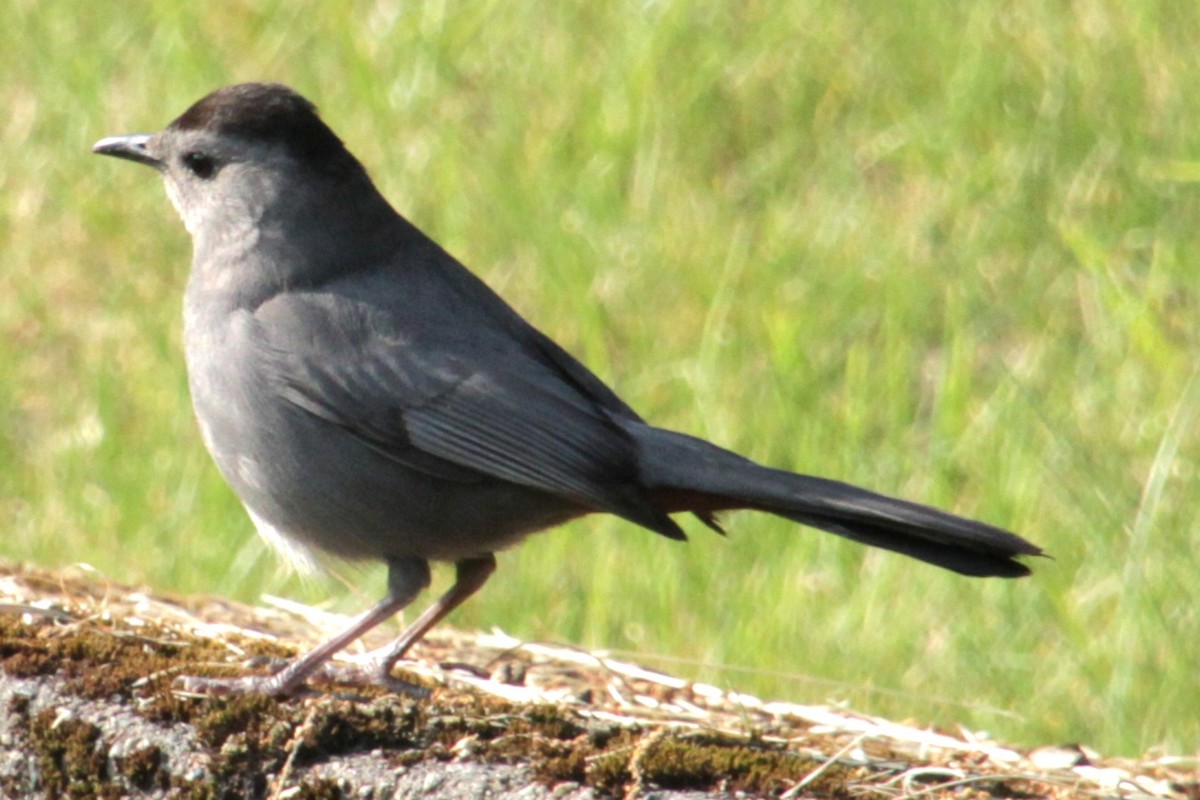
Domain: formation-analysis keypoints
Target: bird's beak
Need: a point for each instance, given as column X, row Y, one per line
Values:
column 132, row 147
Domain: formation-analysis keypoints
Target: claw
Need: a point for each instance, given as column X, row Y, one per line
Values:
column 282, row 684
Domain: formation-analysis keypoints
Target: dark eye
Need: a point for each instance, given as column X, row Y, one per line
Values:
column 201, row 165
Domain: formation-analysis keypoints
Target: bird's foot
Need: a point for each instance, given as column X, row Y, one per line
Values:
column 266, row 685
column 290, row 682
column 371, row 672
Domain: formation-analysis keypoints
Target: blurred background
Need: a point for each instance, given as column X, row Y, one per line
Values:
column 945, row 251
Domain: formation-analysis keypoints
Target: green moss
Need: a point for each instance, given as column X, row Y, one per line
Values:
column 677, row 763
column 228, row 716
column 250, row 738
column 346, row 727
column 21, row 655
column 70, row 757
column 143, row 769
column 104, row 660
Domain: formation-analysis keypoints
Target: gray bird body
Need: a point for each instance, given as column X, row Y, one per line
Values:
column 367, row 396
column 326, row 408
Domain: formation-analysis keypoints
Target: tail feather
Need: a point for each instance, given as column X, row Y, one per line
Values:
column 683, row 473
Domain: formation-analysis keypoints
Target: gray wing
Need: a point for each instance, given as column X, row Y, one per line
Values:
column 465, row 403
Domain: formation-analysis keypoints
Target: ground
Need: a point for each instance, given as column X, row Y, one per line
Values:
column 89, row 708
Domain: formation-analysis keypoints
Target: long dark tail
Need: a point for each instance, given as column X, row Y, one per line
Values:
column 683, row 473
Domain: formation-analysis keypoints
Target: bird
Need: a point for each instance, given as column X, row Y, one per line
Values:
column 367, row 397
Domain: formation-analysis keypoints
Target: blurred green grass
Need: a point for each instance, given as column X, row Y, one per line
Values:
column 944, row 251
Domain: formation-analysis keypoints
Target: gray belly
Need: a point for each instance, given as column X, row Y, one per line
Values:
column 311, row 482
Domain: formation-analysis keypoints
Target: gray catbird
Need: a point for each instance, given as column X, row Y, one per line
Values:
column 367, row 396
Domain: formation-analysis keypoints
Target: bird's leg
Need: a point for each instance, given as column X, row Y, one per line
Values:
column 406, row 579
column 472, row 574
